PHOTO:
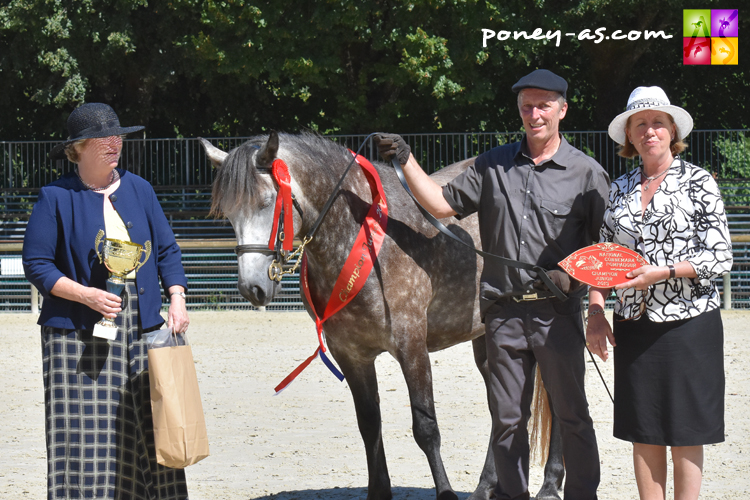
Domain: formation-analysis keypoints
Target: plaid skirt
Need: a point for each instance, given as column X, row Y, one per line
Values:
column 100, row 438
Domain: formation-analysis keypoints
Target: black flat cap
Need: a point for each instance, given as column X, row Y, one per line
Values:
column 542, row 79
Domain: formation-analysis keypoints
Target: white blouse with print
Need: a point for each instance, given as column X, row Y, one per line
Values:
column 684, row 221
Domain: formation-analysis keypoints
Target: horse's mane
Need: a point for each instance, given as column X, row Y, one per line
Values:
column 310, row 149
column 236, row 185
column 236, row 182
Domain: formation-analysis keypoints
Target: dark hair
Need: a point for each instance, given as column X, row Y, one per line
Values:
column 627, row 150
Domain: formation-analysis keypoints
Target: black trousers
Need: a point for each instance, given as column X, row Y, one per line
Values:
column 520, row 335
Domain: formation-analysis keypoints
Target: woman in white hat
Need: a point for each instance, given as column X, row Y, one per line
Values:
column 668, row 335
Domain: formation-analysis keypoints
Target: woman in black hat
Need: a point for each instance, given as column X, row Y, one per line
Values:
column 100, row 441
column 668, row 336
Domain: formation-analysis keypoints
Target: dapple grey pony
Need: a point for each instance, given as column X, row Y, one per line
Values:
column 421, row 296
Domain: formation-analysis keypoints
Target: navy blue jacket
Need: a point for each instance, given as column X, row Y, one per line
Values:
column 59, row 241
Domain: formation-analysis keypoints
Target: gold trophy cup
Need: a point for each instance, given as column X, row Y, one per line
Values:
column 121, row 258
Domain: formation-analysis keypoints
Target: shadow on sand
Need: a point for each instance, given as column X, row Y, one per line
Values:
column 355, row 494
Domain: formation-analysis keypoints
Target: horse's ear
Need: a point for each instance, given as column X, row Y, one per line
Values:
column 216, row 155
column 268, row 153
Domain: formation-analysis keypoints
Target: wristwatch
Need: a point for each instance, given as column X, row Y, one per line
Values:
column 181, row 294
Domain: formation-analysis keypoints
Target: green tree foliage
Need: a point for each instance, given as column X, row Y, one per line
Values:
column 734, row 156
column 236, row 67
column 734, row 168
column 57, row 54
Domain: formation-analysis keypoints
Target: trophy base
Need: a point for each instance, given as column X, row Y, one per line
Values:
column 105, row 332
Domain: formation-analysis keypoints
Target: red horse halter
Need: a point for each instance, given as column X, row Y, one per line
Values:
column 283, row 218
column 278, row 244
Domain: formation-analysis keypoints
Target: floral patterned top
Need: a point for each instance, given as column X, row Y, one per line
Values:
column 685, row 220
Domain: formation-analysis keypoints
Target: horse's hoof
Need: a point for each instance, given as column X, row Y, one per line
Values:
column 447, row 495
column 482, row 494
column 547, row 496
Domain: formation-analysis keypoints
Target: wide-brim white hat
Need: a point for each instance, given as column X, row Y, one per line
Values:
column 649, row 98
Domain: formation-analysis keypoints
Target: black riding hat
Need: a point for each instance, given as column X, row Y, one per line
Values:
column 89, row 121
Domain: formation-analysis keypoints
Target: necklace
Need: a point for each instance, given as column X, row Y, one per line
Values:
column 115, row 178
column 653, row 178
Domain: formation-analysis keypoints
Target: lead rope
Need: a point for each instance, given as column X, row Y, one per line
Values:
column 329, row 203
column 541, row 272
column 593, row 360
column 503, row 260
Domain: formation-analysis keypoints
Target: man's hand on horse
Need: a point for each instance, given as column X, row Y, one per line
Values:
column 561, row 279
column 390, row 145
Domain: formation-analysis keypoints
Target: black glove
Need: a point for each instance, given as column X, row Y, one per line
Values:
column 390, row 145
column 561, row 279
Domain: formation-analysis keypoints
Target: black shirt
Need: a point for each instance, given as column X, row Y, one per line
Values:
column 538, row 214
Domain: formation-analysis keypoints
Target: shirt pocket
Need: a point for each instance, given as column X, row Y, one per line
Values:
column 554, row 214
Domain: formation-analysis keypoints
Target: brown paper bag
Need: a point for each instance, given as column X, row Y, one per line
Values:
column 179, row 426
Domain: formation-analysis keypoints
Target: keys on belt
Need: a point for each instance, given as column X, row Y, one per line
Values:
column 529, row 296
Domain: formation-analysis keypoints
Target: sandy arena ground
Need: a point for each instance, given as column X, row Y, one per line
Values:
column 304, row 443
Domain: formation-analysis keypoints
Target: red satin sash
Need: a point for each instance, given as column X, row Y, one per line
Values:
column 356, row 269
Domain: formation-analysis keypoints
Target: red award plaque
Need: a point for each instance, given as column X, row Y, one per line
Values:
column 603, row 265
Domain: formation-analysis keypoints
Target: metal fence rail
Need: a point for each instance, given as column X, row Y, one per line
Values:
column 181, row 175
column 212, row 279
column 212, row 282
column 181, row 164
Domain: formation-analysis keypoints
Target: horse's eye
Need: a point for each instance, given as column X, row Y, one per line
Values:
column 266, row 202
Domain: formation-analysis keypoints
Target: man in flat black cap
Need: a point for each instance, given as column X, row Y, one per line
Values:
column 538, row 201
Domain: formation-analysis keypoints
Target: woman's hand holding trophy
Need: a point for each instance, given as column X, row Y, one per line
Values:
column 120, row 258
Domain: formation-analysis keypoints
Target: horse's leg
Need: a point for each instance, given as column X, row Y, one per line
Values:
column 415, row 365
column 363, row 384
column 554, row 469
column 488, row 478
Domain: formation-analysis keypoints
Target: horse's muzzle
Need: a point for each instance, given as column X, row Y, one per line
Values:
column 257, row 295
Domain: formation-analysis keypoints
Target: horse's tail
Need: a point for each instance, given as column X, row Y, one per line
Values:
column 541, row 421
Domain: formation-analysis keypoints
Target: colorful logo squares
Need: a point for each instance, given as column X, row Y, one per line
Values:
column 710, row 36
column 725, row 22
column 725, row 50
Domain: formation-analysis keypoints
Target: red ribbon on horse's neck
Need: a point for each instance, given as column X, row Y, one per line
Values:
column 356, row 269
column 280, row 173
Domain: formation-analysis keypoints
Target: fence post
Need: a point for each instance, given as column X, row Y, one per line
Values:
column 727, row 291
column 34, row 300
